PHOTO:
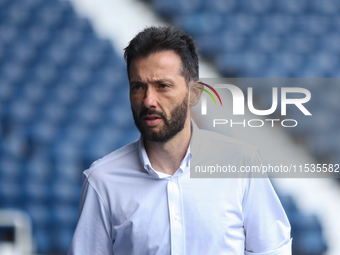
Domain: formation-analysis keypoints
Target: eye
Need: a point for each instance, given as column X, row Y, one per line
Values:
column 136, row 87
column 163, row 86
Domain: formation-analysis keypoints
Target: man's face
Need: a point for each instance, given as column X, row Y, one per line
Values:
column 158, row 95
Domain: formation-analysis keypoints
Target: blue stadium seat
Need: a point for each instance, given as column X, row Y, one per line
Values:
column 222, row 6
column 4, row 3
column 257, row 6
column 38, row 35
column 33, row 91
column 7, row 89
column 119, row 113
column 46, row 72
column 255, row 63
column 51, row 15
column 42, row 239
column 70, row 37
column 232, row 42
column 39, row 167
column 330, row 43
column 327, row 7
column 35, row 191
column 32, row 5
column 21, row 111
column 291, row 6
column 54, row 112
column 99, row 96
column 312, row 243
column 10, row 193
column 311, row 71
column 242, row 64
column 66, row 193
column 79, row 75
column 301, row 43
column 325, row 61
column 317, row 24
column 277, row 23
column 217, row 44
column 112, row 76
column 288, row 203
column 3, row 53
column 242, row 23
column 18, row 14
column 66, row 155
column 64, row 94
column 231, row 64
column 75, row 133
column 43, row 132
column 39, row 213
column 91, row 54
column 62, row 237
column 8, row 33
column 170, row 8
column 200, row 23
column 67, row 164
column 10, row 165
column 87, row 114
column 59, row 53
column 13, row 71
column 307, row 235
column 283, row 65
column 266, row 43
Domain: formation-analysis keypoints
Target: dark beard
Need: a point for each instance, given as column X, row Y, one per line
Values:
column 172, row 125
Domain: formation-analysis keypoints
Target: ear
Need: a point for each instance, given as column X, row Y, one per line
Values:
column 195, row 93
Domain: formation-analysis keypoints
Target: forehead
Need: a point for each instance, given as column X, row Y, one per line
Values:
column 159, row 65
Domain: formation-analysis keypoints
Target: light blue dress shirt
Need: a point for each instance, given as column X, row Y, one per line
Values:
column 128, row 208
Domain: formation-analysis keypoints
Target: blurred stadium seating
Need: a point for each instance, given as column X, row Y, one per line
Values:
column 64, row 100
column 63, row 104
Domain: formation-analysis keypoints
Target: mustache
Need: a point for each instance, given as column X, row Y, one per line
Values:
column 148, row 111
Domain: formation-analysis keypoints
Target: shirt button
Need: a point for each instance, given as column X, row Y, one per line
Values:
column 176, row 217
column 172, row 179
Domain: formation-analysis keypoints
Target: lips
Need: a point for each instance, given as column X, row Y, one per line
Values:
column 152, row 120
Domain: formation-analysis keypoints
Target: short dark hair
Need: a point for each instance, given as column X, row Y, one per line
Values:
column 156, row 39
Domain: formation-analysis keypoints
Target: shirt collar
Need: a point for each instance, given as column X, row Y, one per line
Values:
column 184, row 166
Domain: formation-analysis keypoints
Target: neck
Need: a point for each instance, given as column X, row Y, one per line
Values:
column 166, row 157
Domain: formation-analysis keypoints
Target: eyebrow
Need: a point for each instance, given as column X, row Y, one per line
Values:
column 135, row 83
column 164, row 80
column 160, row 80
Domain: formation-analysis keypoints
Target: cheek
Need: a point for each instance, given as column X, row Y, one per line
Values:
column 134, row 103
column 135, row 108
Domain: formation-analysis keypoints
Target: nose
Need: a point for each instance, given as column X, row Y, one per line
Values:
column 150, row 97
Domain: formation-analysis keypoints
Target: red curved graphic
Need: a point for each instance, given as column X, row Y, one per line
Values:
column 212, row 90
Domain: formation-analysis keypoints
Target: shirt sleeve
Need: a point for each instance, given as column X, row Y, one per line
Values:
column 93, row 231
column 267, row 229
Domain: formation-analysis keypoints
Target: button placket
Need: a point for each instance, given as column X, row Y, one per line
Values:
column 175, row 212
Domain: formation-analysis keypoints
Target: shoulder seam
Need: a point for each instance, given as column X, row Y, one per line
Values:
column 107, row 158
column 101, row 201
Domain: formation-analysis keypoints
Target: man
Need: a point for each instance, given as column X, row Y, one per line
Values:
column 140, row 199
